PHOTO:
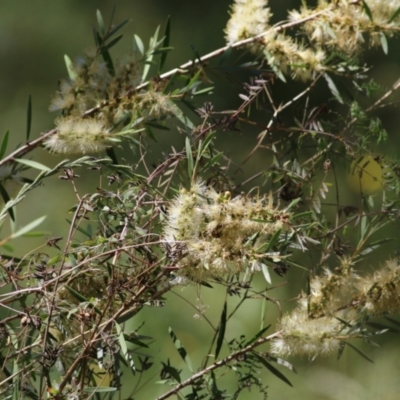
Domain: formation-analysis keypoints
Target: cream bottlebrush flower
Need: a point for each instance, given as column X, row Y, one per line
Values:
column 77, row 135
column 332, row 291
column 248, row 18
column 215, row 235
column 380, row 292
column 342, row 24
column 305, row 336
column 288, row 56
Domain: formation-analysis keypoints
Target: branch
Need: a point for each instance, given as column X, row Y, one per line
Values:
column 235, row 45
column 29, row 146
column 231, row 357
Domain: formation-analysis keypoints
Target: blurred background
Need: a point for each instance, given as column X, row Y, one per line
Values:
column 35, row 35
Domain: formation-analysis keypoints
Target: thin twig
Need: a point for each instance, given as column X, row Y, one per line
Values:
column 235, row 45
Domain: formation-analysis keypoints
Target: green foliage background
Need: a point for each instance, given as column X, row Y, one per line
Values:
column 34, row 36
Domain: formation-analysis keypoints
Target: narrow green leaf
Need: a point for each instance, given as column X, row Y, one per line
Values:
column 362, row 354
column 6, row 199
column 384, row 43
column 272, row 369
column 189, row 156
column 221, row 330
column 167, row 34
column 158, row 126
column 112, row 42
column 111, row 153
column 292, row 204
column 117, row 28
column 124, row 348
column 374, row 245
column 203, row 91
column 100, row 22
column 181, row 350
column 367, row 10
column 212, row 161
column 268, row 246
column 29, row 118
column 32, row 225
column 138, row 44
column 274, row 67
column 108, row 60
column 150, row 54
column 266, row 273
column 4, row 144
column 257, row 336
column 192, row 82
column 282, row 362
column 206, row 143
column 334, row 90
column 150, row 133
column 76, row 294
column 302, row 215
column 99, row 389
column 16, row 381
column 394, row 16
column 341, row 349
column 33, row 164
column 70, row 67
column 181, row 116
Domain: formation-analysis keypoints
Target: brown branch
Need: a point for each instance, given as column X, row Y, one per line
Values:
column 240, row 43
column 26, row 148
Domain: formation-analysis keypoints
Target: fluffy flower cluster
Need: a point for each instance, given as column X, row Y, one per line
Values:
column 306, row 336
column 210, row 234
column 333, row 25
column 336, row 302
column 285, row 54
column 248, row 18
column 79, row 136
column 343, row 23
column 95, row 102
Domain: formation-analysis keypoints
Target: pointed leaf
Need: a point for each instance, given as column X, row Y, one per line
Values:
column 394, row 16
column 334, row 90
column 117, row 28
column 33, row 164
column 29, row 118
column 29, row 227
column 165, row 43
column 189, row 156
column 272, row 369
column 221, row 330
column 112, row 42
column 6, row 199
column 367, row 10
column 181, row 350
column 257, row 336
column 362, row 354
column 70, row 68
column 266, row 274
column 4, row 144
column 138, row 44
column 100, row 22
column 99, row 389
column 282, row 362
column 384, row 43
column 124, row 348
